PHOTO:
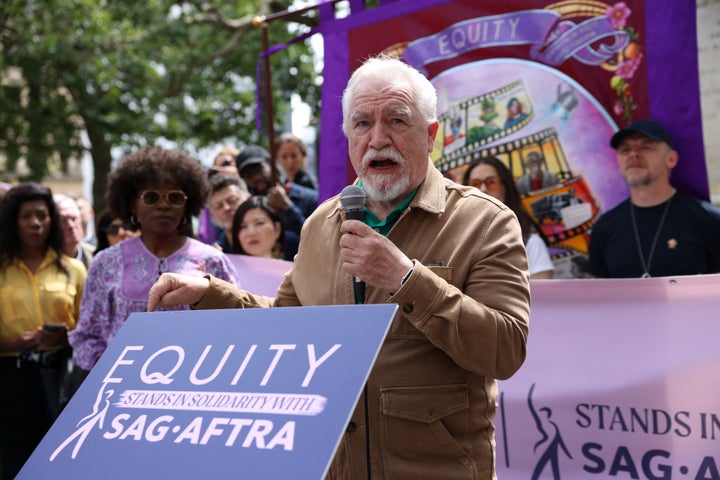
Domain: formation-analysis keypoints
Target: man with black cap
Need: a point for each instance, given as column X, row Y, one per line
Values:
column 658, row 231
column 293, row 202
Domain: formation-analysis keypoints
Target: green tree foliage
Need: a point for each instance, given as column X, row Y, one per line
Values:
column 127, row 73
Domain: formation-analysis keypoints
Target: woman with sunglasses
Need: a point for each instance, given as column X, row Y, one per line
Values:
column 111, row 230
column 492, row 177
column 40, row 291
column 157, row 191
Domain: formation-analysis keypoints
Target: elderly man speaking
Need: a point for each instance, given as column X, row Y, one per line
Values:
column 450, row 256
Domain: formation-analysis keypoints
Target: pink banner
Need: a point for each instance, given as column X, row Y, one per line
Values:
column 621, row 378
column 620, row 382
column 259, row 275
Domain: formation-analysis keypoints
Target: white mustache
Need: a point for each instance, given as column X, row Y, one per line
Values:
column 390, row 153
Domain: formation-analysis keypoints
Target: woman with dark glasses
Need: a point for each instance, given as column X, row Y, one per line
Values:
column 111, row 230
column 492, row 177
column 157, row 191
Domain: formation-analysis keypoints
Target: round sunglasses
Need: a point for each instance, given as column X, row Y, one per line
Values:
column 176, row 198
column 491, row 183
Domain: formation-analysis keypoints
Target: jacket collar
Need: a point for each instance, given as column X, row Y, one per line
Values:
column 431, row 194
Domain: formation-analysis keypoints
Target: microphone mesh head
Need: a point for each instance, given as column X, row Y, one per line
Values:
column 352, row 197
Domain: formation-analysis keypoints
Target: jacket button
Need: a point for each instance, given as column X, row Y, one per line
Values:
column 351, row 427
column 408, row 308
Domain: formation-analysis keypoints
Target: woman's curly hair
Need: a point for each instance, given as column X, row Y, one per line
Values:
column 156, row 166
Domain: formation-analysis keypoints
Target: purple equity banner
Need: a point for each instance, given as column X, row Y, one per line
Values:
column 628, row 56
column 620, row 382
column 483, row 32
column 554, row 42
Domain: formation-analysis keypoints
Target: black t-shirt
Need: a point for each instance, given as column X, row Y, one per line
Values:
column 688, row 243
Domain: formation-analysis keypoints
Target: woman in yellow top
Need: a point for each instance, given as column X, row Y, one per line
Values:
column 40, row 291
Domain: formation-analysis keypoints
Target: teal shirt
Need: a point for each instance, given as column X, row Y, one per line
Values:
column 383, row 226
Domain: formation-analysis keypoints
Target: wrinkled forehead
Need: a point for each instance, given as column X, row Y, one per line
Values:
column 378, row 91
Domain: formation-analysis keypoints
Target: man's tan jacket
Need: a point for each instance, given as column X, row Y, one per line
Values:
column 430, row 400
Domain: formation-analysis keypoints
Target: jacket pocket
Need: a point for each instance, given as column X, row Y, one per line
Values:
column 415, row 440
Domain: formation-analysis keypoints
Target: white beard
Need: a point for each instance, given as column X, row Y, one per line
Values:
column 385, row 188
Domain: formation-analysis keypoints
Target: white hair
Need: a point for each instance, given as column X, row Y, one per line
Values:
column 395, row 72
column 61, row 200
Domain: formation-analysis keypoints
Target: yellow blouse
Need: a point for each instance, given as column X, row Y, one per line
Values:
column 29, row 300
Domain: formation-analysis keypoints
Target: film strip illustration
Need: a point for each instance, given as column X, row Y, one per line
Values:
column 512, row 150
column 483, row 119
column 561, row 237
column 564, row 212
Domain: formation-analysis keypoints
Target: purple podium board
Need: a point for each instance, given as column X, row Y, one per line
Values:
column 252, row 394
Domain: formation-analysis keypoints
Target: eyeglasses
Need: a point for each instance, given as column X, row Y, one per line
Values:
column 491, row 183
column 114, row 228
column 176, row 198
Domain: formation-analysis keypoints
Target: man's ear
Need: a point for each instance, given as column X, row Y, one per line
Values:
column 672, row 159
column 432, row 133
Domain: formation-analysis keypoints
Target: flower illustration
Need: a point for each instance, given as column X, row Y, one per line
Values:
column 618, row 15
column 626, row 63
column 627, row 68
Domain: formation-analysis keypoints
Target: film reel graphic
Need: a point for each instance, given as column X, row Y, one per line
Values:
column 563, row 212
column 474, row 122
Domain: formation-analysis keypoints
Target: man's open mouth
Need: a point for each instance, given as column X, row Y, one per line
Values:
column 382, row 164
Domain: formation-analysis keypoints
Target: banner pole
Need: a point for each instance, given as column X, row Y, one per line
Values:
column 259, row 22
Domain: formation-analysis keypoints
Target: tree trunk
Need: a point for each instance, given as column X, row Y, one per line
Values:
column 102, row 160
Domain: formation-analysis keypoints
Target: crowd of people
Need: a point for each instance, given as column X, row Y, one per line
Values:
column 70, row 279
column 459, row 262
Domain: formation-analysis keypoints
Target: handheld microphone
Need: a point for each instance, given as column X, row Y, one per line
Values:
column 352, row 199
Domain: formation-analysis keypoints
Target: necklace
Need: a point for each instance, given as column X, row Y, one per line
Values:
column 646, row 266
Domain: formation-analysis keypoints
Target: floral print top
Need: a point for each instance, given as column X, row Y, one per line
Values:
column 117, row 285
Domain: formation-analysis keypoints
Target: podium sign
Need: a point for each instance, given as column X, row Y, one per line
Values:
column 252, row 394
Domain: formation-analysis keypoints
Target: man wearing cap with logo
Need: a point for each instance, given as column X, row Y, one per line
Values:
column 658, row 231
